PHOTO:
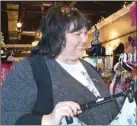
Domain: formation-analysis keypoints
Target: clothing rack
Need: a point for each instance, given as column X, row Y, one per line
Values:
column 102, row 56
column 99, row 101
column 126, row 34
column 127, row 93
column 97, row 56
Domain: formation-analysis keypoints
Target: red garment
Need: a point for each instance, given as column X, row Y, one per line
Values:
column 133, row 12
column 4, row 70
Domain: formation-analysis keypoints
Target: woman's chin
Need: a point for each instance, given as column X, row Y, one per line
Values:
column 79, row 54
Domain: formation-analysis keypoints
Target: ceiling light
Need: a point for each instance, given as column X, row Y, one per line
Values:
column 35, row 43
column 19, row 24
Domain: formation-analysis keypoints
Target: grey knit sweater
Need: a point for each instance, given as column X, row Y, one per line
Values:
column 19, row 94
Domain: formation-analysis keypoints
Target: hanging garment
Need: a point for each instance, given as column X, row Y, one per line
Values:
column 127, row 115
column 134, row 78
column 96, row 50
column 100, row 64
column 5, row 69
column 134, row 65
column 114, row 83
column 109, row 62
column 133, row 14
column 91, row 60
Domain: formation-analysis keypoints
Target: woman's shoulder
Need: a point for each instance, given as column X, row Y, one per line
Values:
column 21, row 68
column 21, row 74
column 23, row 63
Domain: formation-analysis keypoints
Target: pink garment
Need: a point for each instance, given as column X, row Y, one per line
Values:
column 129, row 49
column 132, row 47
column 132, row 64
column 133, row 12
column 4, row 70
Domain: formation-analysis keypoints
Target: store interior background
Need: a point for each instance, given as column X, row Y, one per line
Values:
column 20, row 21
column 30, row 14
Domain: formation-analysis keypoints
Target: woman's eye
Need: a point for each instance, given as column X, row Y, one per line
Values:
column 85, row 32
column 80, row 33
column 77, row 34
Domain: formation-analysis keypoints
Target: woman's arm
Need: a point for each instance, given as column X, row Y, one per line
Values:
column 19, row 94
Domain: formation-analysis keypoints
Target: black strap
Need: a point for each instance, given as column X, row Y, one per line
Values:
column 44, row 103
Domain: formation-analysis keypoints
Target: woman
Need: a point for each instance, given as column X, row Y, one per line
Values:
column 67, row 83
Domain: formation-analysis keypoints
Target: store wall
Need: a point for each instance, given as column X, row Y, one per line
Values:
column 114, row 29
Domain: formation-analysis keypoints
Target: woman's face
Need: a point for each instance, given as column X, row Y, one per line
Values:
column 75, row 44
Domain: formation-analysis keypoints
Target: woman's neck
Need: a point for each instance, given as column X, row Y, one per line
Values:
column 67, row 60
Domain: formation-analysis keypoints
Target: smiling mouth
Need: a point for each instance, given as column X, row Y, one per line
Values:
column 80, row 48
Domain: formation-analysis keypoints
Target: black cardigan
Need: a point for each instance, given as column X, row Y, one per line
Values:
column 40, row 72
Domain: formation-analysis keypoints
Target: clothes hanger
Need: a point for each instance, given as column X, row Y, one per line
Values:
column 118, row 67
column 133, row 65
column 124, row 63
column 126, row 93
column 112, row 85
column 134, row 57
column 130, row 57
column 131, row 62
column 121, row 57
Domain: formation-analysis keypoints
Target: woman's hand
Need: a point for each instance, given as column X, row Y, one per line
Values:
column 67, row 108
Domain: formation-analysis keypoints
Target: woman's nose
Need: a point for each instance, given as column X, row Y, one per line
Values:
column 84, row 38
